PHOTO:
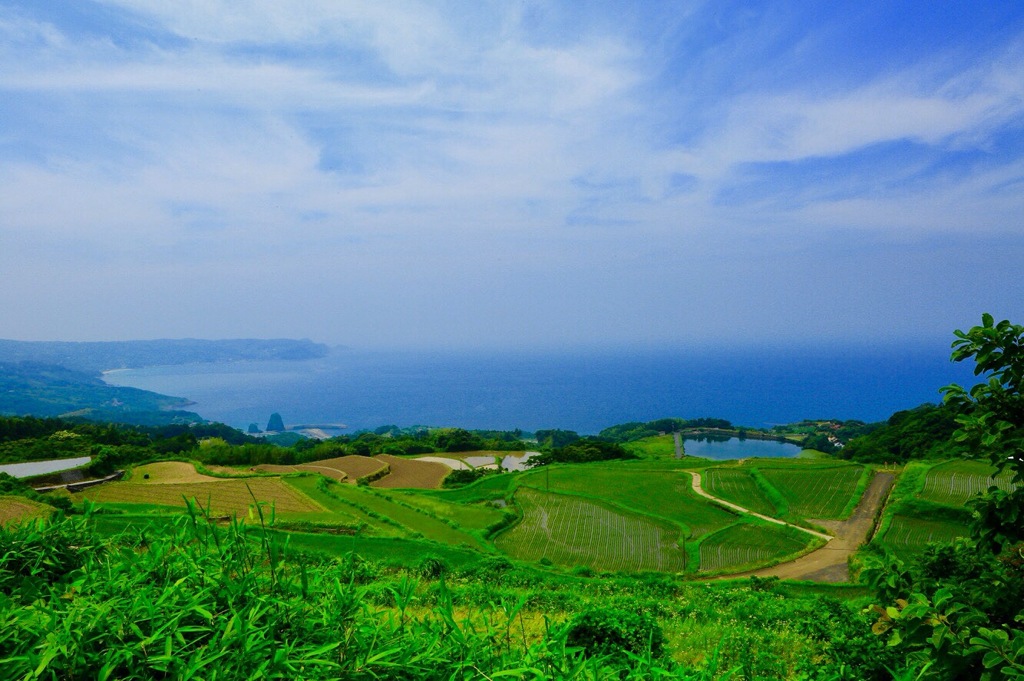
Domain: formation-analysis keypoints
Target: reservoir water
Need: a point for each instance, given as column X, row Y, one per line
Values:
column 33, row 468
column 735, row 448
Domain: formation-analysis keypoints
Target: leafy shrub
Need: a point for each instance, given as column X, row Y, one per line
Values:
column 922, row 433
column 496, row 565
column 458, row 478
column 763, row 583
column 607, row 631
column 357, row 570
column 433, row 566
column 584, row 450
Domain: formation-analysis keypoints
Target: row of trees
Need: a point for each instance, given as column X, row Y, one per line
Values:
column 635, row 430
column 922, row 433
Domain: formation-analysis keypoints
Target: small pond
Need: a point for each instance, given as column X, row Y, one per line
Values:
column 33, row 468
column 735, row 448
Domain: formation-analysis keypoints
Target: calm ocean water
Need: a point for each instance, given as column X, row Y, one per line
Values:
column 584, row 392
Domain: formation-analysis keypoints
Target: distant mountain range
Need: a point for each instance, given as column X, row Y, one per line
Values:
column 55, row 378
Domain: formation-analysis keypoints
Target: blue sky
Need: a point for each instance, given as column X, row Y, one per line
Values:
column 476, row 174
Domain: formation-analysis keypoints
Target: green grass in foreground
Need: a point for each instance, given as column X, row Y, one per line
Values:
column 391, row 551
column 226, row 601
column 114, row 524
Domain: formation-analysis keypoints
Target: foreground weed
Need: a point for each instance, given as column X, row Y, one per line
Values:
column 206, row 600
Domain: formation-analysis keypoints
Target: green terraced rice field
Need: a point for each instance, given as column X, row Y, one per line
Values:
column 655, row 446
column 746, row 544
column 955, row 482
column 912, row 535
column 410, row 518
column 338, row 511
column 488, row 488
column 815, row 491
column 738, row 486
column 667, row 494
column 468, row 516
column 570, row 530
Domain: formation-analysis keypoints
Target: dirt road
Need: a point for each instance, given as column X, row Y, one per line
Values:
column 830, row 563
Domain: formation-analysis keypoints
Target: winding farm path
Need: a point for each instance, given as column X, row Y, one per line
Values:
column 830, row 563
column 736, row 507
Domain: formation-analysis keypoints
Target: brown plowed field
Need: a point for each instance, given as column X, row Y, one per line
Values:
column 224, row 496
column 229, row 471
column 17, row 509
column 411, row 473
column 349, row 468
column 168, row 472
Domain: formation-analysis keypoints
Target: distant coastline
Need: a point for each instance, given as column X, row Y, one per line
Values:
column 68, row 379
column 108, row 356
column 582, row 392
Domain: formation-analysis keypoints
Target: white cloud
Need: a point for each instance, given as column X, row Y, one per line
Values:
column 210, row 128
column 398, row 142
column 409, row 37
column 796, row 125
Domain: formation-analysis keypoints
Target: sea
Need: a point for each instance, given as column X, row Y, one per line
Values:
column 584, row 391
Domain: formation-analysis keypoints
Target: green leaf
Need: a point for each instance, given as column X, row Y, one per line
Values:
column 991, row 660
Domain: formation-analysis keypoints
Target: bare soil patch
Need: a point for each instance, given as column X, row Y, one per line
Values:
column 168, row 473
column 15, row 510
column 222, row 496
column 229, row 471
column 343, row 468
column 411, row 473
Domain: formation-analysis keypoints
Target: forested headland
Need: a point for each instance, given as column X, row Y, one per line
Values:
column 51, row 378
